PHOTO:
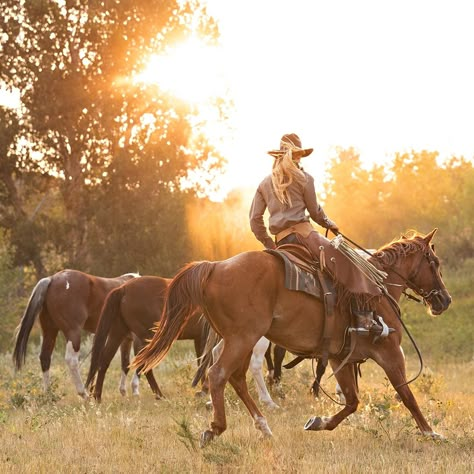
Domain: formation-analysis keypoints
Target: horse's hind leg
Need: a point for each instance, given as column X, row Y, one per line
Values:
column 72, row 361
column 47, row 346
column 347, row 381
column 239, row 382
column 125, row 349
column 279, row 355
column 392, row 360
column 230, row 364
column 138, row 345
column 114, row 340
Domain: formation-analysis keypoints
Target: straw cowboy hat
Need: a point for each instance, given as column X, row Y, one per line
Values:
column 292, row 142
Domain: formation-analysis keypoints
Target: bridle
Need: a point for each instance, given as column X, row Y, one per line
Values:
column 408, row 281
column 425, row 295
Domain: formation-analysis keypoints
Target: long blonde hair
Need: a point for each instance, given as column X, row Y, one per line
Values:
column 285, row 171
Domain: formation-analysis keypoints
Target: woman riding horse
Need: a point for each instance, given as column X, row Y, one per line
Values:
column 288, row 192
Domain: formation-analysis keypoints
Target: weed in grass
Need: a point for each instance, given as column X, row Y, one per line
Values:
column 185, row 434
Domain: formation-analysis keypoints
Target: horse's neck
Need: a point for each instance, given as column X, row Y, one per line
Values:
column 397, row 276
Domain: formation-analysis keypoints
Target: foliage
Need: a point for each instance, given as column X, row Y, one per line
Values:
column 85, row 122
column 374, row 206
column 11, row 297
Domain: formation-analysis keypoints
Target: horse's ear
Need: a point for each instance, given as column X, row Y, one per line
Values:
column 428, row 237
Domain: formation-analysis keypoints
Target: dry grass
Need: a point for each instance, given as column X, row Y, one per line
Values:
column 59, row 433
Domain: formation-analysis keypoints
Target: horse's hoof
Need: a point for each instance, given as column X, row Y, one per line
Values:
column 209, row 405
column 206, row 437
column 434, row 436
column 271, row 405
column 315, row 423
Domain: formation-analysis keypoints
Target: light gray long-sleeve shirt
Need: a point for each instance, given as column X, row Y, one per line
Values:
column 303, row 198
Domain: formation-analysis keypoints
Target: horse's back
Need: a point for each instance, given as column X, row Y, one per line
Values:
column 75, row 299
column 246, row 269
column 142, row 303
column 246, row 283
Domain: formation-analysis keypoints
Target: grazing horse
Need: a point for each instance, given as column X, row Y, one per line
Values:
column 245, row 298
column 135, row 307
column 68, row 301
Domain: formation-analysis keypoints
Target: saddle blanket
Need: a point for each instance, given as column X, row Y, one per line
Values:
column 296, row 278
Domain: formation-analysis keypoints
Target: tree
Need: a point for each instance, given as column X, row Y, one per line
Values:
column 83, row 120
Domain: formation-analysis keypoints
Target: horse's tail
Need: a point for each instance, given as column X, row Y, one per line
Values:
column 184, row 295
column 110, row 313
column 35, row 304
column 206, row 358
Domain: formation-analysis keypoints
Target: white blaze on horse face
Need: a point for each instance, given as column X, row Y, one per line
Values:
column 135, row 384
column 67, row 285
column 72, row 361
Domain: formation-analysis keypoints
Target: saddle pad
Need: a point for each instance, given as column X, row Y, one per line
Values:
column 296, row 278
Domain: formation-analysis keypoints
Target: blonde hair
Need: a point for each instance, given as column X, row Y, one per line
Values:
column 285, row 171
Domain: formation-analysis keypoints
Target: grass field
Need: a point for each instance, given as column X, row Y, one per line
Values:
column 57, row 432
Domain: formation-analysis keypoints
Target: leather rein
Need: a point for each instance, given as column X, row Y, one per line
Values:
column 419, row 291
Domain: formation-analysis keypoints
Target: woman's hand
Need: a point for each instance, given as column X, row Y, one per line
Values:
column 333, row 227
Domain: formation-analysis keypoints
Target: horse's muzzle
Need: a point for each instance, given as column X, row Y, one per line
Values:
column 439, row 302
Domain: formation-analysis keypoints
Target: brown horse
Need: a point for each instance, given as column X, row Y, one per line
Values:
column 135, row 307
column 245, row 298
column 68, row 301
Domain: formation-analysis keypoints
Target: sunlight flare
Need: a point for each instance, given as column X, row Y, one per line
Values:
column 191, row 71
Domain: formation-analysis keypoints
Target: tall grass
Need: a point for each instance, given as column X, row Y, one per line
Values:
column 57, row 432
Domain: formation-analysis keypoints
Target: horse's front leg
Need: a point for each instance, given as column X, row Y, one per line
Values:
column 346, row 379
column 392, row 360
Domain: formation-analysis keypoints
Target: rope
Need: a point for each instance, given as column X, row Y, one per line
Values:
column 369, row 270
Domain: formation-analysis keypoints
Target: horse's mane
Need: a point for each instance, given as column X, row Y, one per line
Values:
column 407, row 244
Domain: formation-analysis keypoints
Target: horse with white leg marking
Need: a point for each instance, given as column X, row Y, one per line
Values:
column 245, row 298
column 68, row 301
column 215, row 343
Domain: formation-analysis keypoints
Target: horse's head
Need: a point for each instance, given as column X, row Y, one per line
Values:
column 413, row 259
column 425, row 277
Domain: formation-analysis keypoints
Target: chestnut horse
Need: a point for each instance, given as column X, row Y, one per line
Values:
column 68, row 301
column 245, row 298
column 135, row 307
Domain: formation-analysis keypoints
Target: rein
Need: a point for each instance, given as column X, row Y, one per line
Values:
column 396, row 307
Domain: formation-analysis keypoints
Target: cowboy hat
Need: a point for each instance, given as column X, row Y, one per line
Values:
column 292, row 142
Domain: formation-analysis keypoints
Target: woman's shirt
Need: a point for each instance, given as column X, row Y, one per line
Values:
column 282, row 216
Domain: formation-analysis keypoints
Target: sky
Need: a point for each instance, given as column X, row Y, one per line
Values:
column 379, row 76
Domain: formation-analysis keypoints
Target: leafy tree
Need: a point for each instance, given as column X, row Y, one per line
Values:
column 86, row 129
column 415, row 192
